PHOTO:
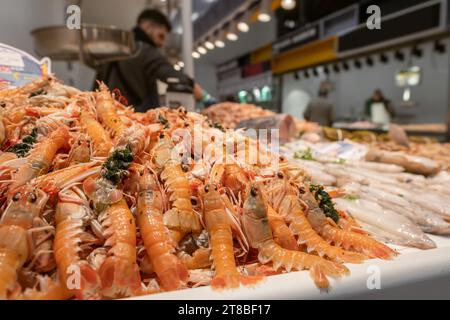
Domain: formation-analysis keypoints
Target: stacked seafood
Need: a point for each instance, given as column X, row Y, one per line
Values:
column 396, row 197
column 231, row 115
column 100, row 202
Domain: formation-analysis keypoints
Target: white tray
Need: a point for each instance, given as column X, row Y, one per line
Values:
column 414, row 274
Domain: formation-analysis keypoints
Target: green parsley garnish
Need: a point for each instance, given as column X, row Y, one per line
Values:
column 22, row 149
column 325, row 202
column 116, row 167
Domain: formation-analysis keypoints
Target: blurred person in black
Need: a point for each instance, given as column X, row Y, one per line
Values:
column 136, row 78
column 320, row 110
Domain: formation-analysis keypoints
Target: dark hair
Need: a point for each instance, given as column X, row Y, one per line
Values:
column 154, row 16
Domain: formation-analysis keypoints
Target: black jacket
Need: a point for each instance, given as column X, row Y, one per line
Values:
column 136, row 77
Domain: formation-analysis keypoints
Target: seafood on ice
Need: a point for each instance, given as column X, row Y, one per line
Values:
column 382, row 197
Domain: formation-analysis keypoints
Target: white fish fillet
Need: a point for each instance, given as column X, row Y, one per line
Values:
column 428, row 221
column 396, row 228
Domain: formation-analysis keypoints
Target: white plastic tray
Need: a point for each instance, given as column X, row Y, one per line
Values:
column 414, row 274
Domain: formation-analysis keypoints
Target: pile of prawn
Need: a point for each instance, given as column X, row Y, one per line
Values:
column 100, row 202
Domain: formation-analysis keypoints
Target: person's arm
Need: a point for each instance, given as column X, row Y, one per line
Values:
column 199, row 93
column 157, row 66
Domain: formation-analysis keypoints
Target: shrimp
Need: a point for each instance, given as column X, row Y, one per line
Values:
column 171, row 272
column 256, row 226
column 284, row 199
column 231, row 176
column 119, row 273
column 71, row 221
column 281, row 232
column 357, row 242
column 80, row 152
column 181, row 218
column 17, row 220
column 107, row 113
column 52, row 183
column 200, row 259
column 345, row 239
column 100, row 139
column 40, row 159
column 13, row 255
column 221, row 238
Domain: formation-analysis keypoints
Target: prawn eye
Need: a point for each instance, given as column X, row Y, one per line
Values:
column 32, row 197
column 254, row 192
column 215, row 189
column 280, row 175
column 206, row 189
column 302, row 190
column 161, row 136
column 194, row 202
column 17, row 196
column 185, row 168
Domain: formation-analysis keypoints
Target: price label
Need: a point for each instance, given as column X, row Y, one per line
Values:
column 18, row 68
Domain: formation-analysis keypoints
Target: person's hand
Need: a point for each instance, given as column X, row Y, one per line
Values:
column 198, row 93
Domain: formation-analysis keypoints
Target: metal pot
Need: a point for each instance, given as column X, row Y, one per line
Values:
column 92, row 44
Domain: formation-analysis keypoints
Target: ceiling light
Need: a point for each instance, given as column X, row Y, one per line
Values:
column 196, row 55
column 181, row 64
column 202, row 50
column 231, row 33
column 219, row 43
column 244, row 23
column 288, row 4
column 177, row 67
column 265, row 11
column 209, row 45
column 232, row 36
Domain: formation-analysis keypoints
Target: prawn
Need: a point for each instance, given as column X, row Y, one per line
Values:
column 256, row 226
column 71, row 221
column 181, row 218
column 160, row 247
column 119, row 273
column 284, row 200
column 41, row 158
column 107, row 113
column 328, row 229
column 100, row 139
column 221, row 239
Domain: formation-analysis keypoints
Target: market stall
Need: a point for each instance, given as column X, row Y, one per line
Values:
column 166, row 199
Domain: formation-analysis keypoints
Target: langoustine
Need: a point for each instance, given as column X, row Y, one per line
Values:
column 256, row 226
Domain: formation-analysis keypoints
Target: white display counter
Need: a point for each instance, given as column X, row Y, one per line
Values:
column 414, row 274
